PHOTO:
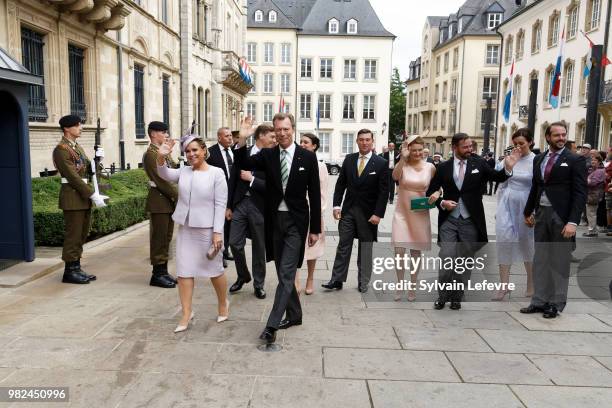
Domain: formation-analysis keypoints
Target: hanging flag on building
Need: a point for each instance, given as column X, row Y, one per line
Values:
column 555, row 84
column 589, row 59
column 508, row 98
column 245, row 71
column 281, row 104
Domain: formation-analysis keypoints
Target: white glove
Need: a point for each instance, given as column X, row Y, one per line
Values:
column 98, row 199
column 100, row 152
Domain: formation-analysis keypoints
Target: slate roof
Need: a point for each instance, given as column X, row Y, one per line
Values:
column 310, row 17
column 12, row 70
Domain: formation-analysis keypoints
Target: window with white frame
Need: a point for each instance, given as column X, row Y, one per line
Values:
column 453, row 91
column 568, row 84
column 350, row 69
column 492, row 54
column 455, row 58
column 306, row 68
column 520, row 44
column 324, row 142
column 369, row 69
column 305, row 106
column 325, row 106
column 572, row 28
column 493, row 20
column 347, row 143
column 434, row 120
column 536, row 37
column 553, row 29
column 285, row 82
column 285, row 53
column 252, row 53
column 593, row 14
column 268, row 83
column 326, row 68
column 268, row 53
column 333, row 26
column 348, row 107
column 369, row 107
column 444, row 91
column 268, row 111
column 509, row 45
column 351, row 26
column 443, row 120
column 547, row 82
column 258, row 16
column 446, row 58
column 516, row 97
column 272, row 16
column 251, row 110
column 489, row 87
column 436, row 93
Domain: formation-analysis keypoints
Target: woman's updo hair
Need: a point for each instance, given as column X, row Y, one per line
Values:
column 526, row 133
column 313, row 139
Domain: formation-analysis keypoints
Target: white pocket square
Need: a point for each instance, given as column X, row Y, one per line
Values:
column 564, row 164
column 301, row 169
column 372, row 173
column 475, row 171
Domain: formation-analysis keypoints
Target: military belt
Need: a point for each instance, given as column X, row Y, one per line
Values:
column 65, row 180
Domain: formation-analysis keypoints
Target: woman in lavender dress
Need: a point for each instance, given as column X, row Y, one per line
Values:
column 515, row 242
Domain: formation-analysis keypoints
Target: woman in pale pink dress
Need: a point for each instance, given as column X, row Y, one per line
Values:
column 411, row 229
column 310, row 142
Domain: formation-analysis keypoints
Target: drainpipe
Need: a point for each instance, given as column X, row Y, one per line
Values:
column 120, row 97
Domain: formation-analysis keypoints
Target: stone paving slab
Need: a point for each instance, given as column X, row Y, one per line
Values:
column 468, row 319
column 234, row 332
column 5, row 372
column 141, row 328
column 564, row 322
column 606, row 318
column 353, row 363
column 294, row 392
column 70, row 324
column 342, row 336
column 441, row 339
column 496, row 368
column 541, row 342
column 12, row 321
column 573, row 370
column 562, row 397
column 161, row 356
column 295, row 361
column 391, row 317
column 154, row 390
column 606, row 361
column 402, row 394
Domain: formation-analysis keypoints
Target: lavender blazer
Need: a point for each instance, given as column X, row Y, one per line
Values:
column 202, row 196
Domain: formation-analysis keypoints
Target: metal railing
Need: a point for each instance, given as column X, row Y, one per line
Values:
column 606, row 93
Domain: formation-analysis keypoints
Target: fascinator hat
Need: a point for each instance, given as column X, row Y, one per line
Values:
column 189, row 137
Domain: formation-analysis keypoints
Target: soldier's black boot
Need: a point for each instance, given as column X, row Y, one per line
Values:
column 159, row 278
column 90, row 277
column 72, row 274
column 167, row 275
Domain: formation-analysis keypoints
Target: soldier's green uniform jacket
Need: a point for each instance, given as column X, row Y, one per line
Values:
column 73, row 165
column 162, row 198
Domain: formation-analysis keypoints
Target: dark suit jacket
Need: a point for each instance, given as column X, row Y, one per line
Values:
column 429, row 160
column 370, row 191
column 215, row 158
column 238, row 188
column 477, row 174
column 566, row 187
column 303, row 180
column 385, row 155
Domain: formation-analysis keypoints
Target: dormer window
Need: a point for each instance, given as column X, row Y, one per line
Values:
column 258, row 16
column 460, row 25
column 351, row 26
column 272, row 16
column 493, row 20
column 450, row 31
column 333, row 26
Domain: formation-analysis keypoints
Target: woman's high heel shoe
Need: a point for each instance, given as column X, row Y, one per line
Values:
column 411, row 295
column 221, row 319
column 309, row 291
column 500, row 295
column 181, row 328
column 398, row 295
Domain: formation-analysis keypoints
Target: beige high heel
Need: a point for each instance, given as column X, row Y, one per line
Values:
column 181, row 328
column 221, row 319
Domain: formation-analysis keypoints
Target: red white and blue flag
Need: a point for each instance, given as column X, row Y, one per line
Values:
column 281, row 104
column 245, row 71
column 555, row 85
column 508, row 98
column 589, row 59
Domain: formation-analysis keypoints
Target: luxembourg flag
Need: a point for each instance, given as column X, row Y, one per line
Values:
column 508, row 98
column 281, row 104
column 555, row 85
column 589, row 63
column 245, row 71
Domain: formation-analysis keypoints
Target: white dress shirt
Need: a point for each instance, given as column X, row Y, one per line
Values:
column 391, row 159
column 231, row 153
column 289, row 158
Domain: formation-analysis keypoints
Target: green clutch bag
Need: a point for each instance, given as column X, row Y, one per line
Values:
column 421, row 203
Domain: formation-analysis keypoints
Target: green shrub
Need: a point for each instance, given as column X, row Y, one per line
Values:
column 127, row 192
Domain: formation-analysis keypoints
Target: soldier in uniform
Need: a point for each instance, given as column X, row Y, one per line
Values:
column 160, row 206
column 76, row 197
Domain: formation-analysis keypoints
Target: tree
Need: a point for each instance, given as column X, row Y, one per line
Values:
column 397, row 107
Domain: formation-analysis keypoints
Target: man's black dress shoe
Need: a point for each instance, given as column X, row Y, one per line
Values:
column 260, row 293
column 90, row 277
column 362, row 289
column 269, row 335
column 238, row 285
column 550, row 312
column 532, row 309
column 455, row 305
column 285, row 323
column 161, row 281
column 439, row 304
column 332, row 285
column 227, row 256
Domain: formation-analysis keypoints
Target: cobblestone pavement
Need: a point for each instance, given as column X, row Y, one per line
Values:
column 112, row 343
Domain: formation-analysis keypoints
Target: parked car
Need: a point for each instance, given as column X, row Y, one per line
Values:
column 333, row 167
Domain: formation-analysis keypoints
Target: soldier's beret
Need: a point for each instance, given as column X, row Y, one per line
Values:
column 69, row 121
column 160, row 126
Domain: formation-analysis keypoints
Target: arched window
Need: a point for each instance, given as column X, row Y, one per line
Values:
column 272, row 16
column 258, row 15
